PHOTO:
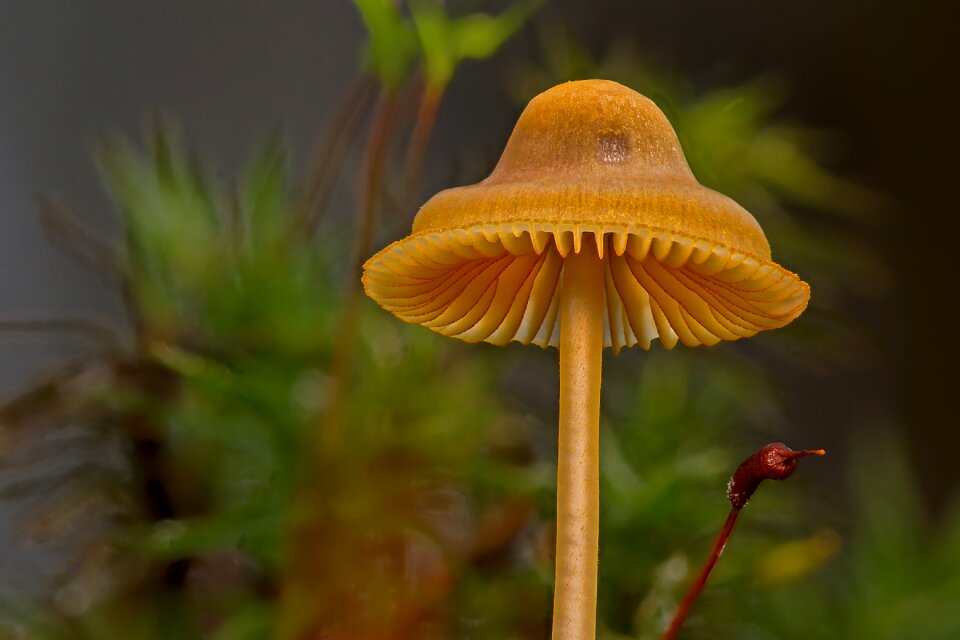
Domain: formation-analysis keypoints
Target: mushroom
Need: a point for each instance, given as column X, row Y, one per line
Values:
column 591, row 232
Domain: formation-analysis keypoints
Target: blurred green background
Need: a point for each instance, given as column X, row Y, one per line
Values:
column 243, row 446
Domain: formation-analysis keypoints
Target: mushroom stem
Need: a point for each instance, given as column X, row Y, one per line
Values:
column 582, row 307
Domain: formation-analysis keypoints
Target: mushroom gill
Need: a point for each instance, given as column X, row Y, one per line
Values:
column 499, row 283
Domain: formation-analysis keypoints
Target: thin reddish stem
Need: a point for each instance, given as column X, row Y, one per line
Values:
column 302, row 582
column 775, row 461
column 419, row 140
column 371, row 191
column 694, row 592
column 328, row 156
column 65, row 230
column 92, row 329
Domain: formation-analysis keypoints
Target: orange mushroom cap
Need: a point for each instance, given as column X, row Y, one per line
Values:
column 591, row 165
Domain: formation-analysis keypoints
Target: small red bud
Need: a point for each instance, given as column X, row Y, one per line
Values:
column 775, row 461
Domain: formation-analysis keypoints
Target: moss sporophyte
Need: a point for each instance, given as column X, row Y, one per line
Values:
column 775, row 461
column 591, row 232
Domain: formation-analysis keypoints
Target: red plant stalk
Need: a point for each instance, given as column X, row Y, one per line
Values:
column 371, row 193
column 329, row 154
column 313, row 530
column 419, row 140
column 775, row 461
